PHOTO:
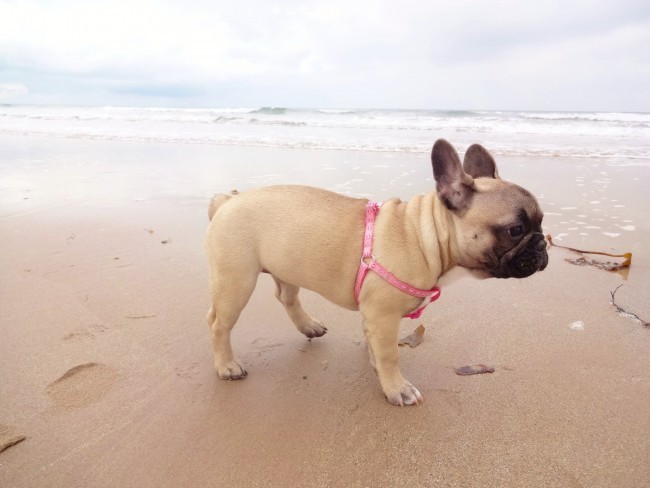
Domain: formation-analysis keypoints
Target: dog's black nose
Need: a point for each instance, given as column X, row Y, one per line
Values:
column 540, row 248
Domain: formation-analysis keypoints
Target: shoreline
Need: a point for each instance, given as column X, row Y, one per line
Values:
column 107, row 368
column 507, row 133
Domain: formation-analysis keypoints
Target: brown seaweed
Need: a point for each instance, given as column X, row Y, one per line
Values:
column 414, row 338
column 625, row 313
column 583, row 261
column 476, row 369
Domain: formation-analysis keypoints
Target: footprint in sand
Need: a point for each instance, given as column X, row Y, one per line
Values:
column 77, row 336
column 9, row 438
column 263, row 344
column 82, row 385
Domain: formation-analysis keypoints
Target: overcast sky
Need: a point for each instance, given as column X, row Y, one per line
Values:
column 458, row 54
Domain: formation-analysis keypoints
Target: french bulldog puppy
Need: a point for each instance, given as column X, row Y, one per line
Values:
column 311, row 238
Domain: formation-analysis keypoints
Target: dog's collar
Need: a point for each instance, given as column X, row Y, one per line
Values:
column 368, row 262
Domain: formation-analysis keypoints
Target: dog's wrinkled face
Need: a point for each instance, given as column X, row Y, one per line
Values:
column 501, row 232
column 498, row 225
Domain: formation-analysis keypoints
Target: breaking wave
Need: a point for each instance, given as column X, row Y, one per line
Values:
column 547, row 134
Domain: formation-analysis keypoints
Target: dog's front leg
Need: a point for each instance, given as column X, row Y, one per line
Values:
column 381, row 331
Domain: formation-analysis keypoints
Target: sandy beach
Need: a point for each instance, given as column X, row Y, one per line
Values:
column 106, row 366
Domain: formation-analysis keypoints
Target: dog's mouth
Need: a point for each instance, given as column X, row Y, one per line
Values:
column 525, row 259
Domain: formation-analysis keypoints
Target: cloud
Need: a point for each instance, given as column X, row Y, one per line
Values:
column 160, row 91
column 121, row 40
column 421, row 54
column 10, row 90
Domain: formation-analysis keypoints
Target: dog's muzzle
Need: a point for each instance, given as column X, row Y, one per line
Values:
column 525, row 259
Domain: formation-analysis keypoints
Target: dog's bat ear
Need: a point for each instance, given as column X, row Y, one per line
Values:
column 455, row 187
column 478, row 162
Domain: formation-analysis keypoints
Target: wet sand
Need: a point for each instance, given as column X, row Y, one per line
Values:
column 106, row 365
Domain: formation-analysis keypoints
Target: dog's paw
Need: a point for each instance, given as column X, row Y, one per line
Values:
column 403, row 394
column 232, row 370
column 314, row 328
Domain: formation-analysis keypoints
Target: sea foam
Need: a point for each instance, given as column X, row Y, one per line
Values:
column 623, row 138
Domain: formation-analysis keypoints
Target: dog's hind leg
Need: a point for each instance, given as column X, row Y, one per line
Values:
column 288, row 296
column 229, row 297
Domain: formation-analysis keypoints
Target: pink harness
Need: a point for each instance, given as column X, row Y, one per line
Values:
column 372, row 209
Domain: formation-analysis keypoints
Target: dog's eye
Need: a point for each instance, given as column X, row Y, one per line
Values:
column 516, row 231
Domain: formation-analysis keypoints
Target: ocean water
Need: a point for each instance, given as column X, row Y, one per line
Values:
column 616, row 136
column 589, row 171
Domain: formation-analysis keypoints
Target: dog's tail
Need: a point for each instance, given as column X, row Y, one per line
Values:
column 219, row 200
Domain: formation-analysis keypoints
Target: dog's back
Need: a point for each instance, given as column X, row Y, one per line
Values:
column 216, row 202
column 288, row 232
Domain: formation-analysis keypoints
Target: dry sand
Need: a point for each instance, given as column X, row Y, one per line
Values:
column 106, row 365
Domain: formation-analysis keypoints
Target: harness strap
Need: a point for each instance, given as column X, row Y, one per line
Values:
column 368, row 262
